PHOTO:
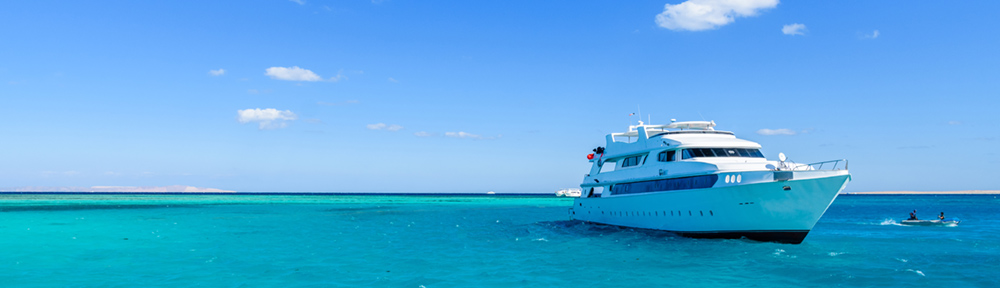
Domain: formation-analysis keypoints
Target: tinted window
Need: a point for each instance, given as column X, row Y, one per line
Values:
column 666, row 156
column 743, row 152
column 631, row 161
column 721, row 152
column 697, row 153
column 697, row 182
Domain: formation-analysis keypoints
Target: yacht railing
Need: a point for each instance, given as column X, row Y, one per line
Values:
column 840, row 164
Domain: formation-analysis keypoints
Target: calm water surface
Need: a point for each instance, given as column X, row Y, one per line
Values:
column 452, row 241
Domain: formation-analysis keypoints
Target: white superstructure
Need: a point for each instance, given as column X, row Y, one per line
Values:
column 688, row 178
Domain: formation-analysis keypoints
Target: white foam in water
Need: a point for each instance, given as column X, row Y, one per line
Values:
column 834, row 254
column 541, row 239
column 916, row 271
column 889, row 221
column 781, row 252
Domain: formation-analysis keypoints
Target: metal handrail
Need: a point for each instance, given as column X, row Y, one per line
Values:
column 835, row 164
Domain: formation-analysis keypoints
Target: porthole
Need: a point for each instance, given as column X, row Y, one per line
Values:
column 739, row 178
column 671, row 213
column 710, row 213
column 689, row 213
column 727, row 178
column 702, row 213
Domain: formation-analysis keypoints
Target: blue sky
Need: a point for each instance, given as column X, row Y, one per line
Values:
column 472, row 96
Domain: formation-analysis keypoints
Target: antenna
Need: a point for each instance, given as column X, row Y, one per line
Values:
column 640, row 112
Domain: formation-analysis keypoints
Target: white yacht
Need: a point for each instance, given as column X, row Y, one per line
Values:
column 695, row 181
column 569, row 192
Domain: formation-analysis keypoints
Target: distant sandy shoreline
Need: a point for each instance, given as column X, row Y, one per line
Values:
column 119, row 189
column 965, row 192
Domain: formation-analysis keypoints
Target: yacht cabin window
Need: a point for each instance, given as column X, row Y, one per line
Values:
column 667, row 156
column 720, row 152
column 632, row 161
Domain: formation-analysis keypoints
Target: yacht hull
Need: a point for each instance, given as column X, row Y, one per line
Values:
column 775, row 211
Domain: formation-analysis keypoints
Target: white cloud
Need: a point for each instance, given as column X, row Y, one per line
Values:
column 770, row 132
column 383, row 126
column 423, row 134
column 295, row 73
column 794, row 29
column 873, row 35
column 393, row 80
column 698, row 15
column 461, row 134
column 953, row 122
column 269, row 118
column 219, row 72
column 300, row 2
column 337, row 78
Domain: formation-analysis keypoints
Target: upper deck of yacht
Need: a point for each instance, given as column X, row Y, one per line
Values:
column 689, row 134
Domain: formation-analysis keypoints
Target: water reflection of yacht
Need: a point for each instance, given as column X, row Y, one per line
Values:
column 690, row 179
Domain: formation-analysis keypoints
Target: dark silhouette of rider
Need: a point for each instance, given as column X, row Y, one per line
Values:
column 913, row 215
column 941, row 217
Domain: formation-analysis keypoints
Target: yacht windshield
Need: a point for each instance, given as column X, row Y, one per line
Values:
column 721, row 152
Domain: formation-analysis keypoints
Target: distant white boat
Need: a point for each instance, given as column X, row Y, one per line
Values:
column 569, row 192
column 491, row 193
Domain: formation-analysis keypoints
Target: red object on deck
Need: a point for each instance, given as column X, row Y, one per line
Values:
column 590, row 156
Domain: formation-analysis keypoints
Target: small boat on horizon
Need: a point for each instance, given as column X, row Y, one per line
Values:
column 569, row 192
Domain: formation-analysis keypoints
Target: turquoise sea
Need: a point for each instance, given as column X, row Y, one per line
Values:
column 468, row 241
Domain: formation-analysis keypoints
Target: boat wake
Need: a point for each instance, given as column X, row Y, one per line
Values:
column 889, row 221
